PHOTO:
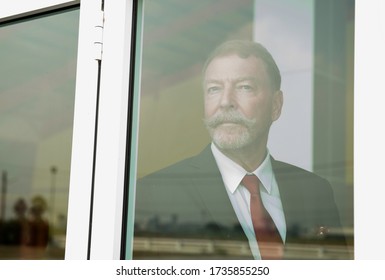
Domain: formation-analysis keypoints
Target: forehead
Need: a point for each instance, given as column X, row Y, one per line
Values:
column 235, row 67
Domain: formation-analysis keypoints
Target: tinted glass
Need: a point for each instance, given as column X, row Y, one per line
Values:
column 37, row 91
column 181, row 201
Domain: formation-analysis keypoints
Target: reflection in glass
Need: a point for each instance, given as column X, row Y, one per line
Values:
column 37, row 90
column 176, row 182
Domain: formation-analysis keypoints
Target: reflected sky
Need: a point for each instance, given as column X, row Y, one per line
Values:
column 37, row 90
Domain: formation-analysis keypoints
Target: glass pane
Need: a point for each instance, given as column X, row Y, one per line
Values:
column 37, row 90
column 203, row 120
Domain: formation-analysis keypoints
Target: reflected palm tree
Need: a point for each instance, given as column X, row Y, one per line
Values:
column 39, row 228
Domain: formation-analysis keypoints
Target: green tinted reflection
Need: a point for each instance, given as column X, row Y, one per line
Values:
column 179, row 207
column 37, row 90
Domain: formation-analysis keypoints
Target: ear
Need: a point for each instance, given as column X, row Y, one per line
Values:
column 277, row 105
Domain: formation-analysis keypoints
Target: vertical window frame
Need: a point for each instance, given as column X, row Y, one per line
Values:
column 110, row 161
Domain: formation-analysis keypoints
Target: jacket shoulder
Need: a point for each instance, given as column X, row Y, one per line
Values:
column 201, row 164
column 291, row 172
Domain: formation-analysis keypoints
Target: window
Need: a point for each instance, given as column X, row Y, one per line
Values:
column 37, row 91
column 167, row 217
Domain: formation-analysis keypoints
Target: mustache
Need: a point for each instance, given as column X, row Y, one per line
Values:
column 228, row 117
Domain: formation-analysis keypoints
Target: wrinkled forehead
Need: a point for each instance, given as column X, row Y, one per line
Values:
column 248, row 50
column 227, row 54
column 233, row 67
column 258, row 61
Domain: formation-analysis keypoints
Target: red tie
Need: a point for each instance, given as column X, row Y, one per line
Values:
column 268, row 238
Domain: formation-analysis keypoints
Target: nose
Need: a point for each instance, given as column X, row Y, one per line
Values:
column 227, row 97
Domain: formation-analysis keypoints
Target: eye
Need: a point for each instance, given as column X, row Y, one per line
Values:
column 213, row 89
column 244, row 88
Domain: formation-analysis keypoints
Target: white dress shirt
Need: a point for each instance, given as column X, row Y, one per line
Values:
column 232, row 175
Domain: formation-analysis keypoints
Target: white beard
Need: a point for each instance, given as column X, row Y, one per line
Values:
column 231, row 130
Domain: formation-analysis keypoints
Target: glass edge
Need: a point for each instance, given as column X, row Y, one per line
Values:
column 132, row 142
column 49, row 11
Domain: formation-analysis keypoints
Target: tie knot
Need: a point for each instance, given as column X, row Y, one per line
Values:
column 251, row 182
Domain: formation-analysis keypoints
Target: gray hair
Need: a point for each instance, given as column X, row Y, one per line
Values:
column 244, row 49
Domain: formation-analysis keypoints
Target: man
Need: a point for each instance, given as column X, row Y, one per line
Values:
column 234, row 189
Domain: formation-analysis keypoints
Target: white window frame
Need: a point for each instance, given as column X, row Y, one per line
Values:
column 112, row 122
column 111, row 147
column 22, row 8
column 82, row 160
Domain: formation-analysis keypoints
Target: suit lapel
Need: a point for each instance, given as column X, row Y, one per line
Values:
column 214, row 198
column 208, row 184
column 291, row 197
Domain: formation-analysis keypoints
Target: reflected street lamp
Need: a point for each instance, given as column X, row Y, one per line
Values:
column 53, row 171
column 3, row 195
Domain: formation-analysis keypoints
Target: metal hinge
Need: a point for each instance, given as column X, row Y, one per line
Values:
column 98, row 37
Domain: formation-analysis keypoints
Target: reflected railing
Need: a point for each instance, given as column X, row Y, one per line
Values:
column 172, row 248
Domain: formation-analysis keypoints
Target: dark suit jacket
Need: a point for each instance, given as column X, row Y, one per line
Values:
column 189, row 199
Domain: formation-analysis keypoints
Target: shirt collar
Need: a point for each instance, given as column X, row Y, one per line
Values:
column 232, row 173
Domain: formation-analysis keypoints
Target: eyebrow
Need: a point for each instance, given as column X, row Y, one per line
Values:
column 237, row 80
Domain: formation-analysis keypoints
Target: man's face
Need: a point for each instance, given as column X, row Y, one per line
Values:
column 240, row 104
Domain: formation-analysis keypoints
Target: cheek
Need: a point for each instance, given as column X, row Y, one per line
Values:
column 209, row 108
column 257, row 110
column 250, row 109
